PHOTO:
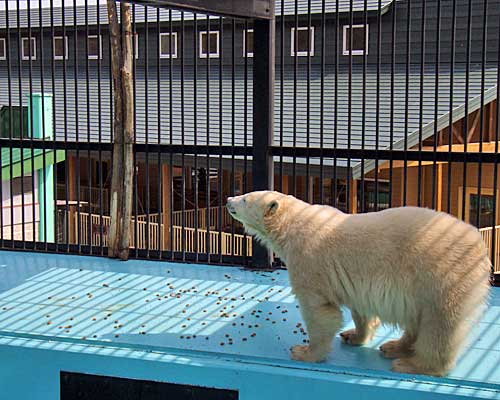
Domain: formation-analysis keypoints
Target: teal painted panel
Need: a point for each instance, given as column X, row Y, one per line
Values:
column 196, row 324
column 40, row 125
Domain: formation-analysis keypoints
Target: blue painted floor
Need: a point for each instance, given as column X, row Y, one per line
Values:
column 239, row 314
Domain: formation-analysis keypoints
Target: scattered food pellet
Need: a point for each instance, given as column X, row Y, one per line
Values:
column 105, row 285
column 253, row 335
column 244, row 339
column 117, row 335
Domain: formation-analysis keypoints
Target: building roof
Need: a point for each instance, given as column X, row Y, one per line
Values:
column 285, row 8
column 179, row 118
column 11, row 162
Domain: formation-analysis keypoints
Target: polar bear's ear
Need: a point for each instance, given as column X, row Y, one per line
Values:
column 272, row 207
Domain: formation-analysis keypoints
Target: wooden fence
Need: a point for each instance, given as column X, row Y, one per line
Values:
column 150, row 236
column 487, row 234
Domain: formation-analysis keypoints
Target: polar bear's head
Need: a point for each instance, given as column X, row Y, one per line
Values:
column 257, row 210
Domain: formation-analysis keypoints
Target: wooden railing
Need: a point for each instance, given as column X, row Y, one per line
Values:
column 487, row 234
column 90, row 225
column 189, row 218
column 196, row 241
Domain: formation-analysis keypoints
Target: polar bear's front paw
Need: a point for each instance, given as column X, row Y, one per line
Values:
column 351, row 337
column 304, row 353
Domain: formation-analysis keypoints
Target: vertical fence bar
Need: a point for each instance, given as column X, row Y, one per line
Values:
column 31, row 132
column 233, row 122
column 245, row 136
column 183, row 186
column 54, row 135
column 263, row 118
column 11, row 150
column 146, row 129
column 159, row 181
column 435, row 177
column 322, row 101
column 171, row 156
column 309, row 187
column 450, row 121
column 481, row 117
column 43, row 176
column 282, row 94
column 391, row 116
column 195, row 123
column 77, row 129
column 421, row 102
column 465, row 130
column 21, row 121
column 207, row 172
column 136, row 163
column 335, row 103
column 219, row 170
column 89, row 158
column 99, row 122
column 407, row 102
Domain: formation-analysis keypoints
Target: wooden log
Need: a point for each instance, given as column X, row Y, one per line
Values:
column 127, row 81
column 116, row 166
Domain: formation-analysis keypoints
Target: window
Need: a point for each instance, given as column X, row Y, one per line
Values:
column 165, row 40
column 486, row 210
column 359, row 40
column 303, row 47
column 26, row 50
column 248, row 43
column 3, row 49
column 211, row 40
column 376, row 196
column 95, row 47
column 60, row 48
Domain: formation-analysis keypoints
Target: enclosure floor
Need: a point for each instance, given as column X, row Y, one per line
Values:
column 243, row 315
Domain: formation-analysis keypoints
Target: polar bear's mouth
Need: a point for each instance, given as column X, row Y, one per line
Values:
column 231, row 209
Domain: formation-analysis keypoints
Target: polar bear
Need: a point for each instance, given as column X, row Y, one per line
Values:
column 421, row 270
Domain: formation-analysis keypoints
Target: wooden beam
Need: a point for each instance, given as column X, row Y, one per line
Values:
column 457, row 134
column 474, row 126
column 491, row 120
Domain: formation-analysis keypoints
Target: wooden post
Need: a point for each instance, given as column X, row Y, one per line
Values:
column 353, row 196
column 123, row 157
column 166, row 188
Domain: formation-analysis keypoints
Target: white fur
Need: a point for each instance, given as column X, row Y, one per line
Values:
column 421, row 270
